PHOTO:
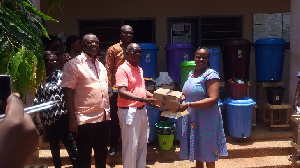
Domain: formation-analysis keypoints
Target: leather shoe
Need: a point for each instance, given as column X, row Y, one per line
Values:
column 112, row 151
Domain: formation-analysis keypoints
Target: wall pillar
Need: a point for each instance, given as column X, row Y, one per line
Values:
column 295, row 48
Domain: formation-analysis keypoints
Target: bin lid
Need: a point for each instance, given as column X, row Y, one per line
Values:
column 165, row 125
column 171, row 46
column 188, row 64
column 220, row 103
column 235, row 42
column 149, row 46
column 270, row 41
column 247, row 101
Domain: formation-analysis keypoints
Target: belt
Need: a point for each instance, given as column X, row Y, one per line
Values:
column 137, row 107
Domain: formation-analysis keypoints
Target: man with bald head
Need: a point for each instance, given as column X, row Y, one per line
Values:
column 132, row 111
column 114, row 58
column 85, row 86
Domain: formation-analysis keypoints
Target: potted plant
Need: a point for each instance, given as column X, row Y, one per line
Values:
column 238, row 88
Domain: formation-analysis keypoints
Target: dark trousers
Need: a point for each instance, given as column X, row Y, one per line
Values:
column 92, row 136
column 114, row 126
column 59, row 131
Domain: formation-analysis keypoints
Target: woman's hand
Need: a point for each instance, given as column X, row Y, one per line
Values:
column 183, row 106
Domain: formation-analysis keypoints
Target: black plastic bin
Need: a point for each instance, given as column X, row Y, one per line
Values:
column 275, row 95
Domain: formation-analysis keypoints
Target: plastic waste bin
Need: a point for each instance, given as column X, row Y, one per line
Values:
column 165, row 132
column 185, row 68
column 239, row 117
column 238, row 90
column 220, row 103
column 275, row 95
column 148, row 59
column 175, row 54
column 153, row 117
column 236, row 58
column 214, row 59
column 269, row 58
column 178, row 131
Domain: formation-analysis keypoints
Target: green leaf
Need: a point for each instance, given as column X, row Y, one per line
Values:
column 33, row 10
column 15, row 61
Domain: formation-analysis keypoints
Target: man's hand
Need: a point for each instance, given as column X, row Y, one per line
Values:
column 19, row 136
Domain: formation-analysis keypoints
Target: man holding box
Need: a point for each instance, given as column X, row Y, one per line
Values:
column 132, row 111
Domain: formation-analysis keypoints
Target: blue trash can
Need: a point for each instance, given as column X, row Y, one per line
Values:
column 153, row 117
column 178, row 131
column 220, row 103
column 214, row 59
column 177, row 53
column 239, row 117
column 148, row 59
column 269, row 58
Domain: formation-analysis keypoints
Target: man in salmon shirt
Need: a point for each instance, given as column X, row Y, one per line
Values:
column 132, row 111
column 85, row 87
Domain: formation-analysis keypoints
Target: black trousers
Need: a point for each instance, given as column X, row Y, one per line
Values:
column 114, row 126
column 92, row 136
column 59, row 131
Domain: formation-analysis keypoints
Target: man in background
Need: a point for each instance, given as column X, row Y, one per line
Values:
column 114, row 58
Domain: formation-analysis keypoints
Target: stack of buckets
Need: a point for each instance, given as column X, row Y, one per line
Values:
column 239, row 107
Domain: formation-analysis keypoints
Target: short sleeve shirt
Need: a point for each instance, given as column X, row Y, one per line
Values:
column 89, row 80
column 132, row 78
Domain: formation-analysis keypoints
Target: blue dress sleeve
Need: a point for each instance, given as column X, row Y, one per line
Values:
column 212, row 74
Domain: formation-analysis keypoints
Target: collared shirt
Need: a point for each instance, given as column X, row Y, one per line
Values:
column 132, row 78
column 90, row 82
column 115, row 57
column 50, row 92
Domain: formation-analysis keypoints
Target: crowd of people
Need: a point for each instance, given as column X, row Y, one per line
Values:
column 103, row 102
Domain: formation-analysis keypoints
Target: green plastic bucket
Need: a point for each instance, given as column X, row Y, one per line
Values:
column 185, row 68
column 165, row 142
column 165, row 133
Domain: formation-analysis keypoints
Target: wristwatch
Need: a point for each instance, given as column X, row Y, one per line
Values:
column 142, row 99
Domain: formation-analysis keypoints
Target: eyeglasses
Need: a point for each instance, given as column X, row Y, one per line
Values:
column 52, row 61
column 137, row 51
column 92, row 42
column 127, row 33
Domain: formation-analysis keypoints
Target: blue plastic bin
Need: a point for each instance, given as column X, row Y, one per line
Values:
column 269, row 58
column 220, row 103
column 148, row 59
column 177, row 53
column 153, row 117
column 239, row 117
column 178, row 131
column 214, row 59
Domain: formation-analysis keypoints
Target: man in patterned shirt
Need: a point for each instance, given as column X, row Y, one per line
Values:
column 85, row 86
column 114, row 58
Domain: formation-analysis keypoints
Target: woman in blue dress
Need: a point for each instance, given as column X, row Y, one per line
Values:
column 203, row 137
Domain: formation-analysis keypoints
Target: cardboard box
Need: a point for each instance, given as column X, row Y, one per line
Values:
column 167, row 99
